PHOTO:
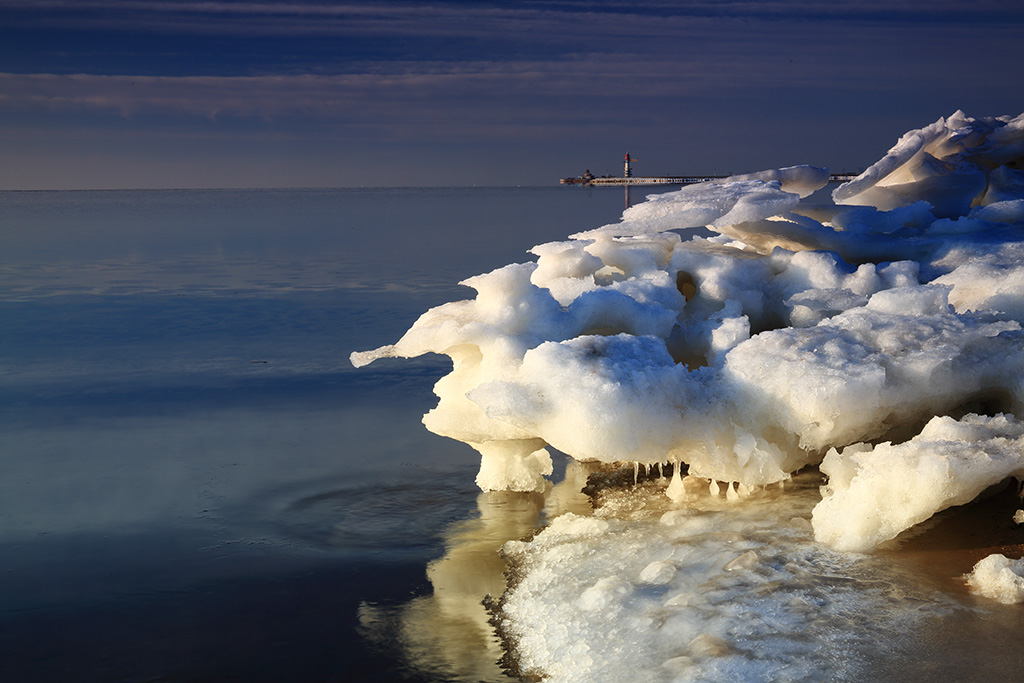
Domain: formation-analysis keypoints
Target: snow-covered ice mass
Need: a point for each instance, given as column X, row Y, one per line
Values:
column 738, row 334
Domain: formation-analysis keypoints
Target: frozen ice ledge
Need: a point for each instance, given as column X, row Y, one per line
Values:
column 747, row 329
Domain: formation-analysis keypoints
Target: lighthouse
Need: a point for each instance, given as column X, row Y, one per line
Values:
column 628, row 172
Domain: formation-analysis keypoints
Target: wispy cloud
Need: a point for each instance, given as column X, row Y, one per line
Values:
column 282, row 94
column 394, row 91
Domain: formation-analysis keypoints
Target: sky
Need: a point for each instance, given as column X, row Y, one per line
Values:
column 105, row 94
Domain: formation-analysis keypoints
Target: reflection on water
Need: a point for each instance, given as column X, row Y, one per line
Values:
column 448, row 633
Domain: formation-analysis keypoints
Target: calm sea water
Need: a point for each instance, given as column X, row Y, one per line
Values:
column 195, row 483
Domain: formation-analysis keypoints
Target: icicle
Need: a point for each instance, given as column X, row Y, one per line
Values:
column 713, row 488
column 676, row 491
column 636, row 472
column 730, row 493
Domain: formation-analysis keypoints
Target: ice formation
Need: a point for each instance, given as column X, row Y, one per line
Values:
column 741, row 331
column 999, row 578
column 710, row 592
column 800, row 332
column 874, row 493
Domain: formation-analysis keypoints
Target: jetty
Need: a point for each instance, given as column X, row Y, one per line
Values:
column 639, row 180
column 627, row 178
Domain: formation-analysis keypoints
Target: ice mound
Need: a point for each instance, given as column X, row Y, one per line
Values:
column 795, row 330
column 999, row 578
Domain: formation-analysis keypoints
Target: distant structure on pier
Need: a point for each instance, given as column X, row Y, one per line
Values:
column 587, row 178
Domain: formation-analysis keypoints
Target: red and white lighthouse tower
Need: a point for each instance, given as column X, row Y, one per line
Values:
column 627, row 172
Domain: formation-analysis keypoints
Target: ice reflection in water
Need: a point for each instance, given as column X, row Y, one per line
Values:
column 448, row 633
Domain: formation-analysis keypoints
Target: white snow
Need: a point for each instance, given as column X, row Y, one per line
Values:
column 745, row 332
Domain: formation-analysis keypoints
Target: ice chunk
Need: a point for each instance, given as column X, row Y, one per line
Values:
column 874, row 493
column 1007, row 211
column 1004, row 184
column 945, row 164
column 566, row 269
column 604, row 592
column 705, row 204
column 800, row 180
column 361, row 358
column 986, row 277
column 868, row 220
column 999, row 578
column 747, row 560
column 658, row 572
column 708, row 645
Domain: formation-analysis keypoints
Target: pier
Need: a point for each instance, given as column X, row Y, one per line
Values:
column 628, row 178
column 640, row 180
column 671, row 180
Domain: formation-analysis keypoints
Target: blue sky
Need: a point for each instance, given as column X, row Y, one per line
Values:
column 157, row 93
